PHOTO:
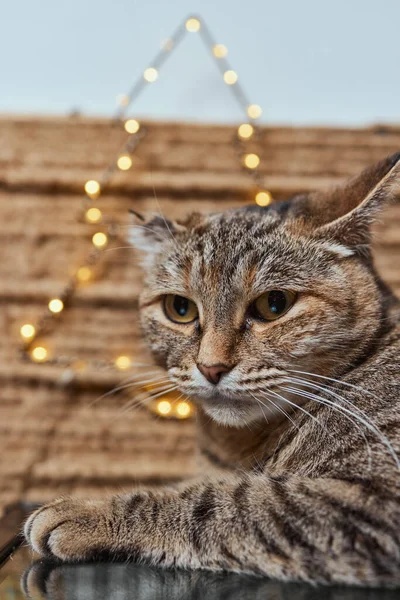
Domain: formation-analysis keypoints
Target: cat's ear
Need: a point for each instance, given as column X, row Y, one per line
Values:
column 345, row 214
column 148, row 236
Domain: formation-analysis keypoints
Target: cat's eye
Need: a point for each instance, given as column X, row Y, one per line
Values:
column 180, row 309
column 272, row 305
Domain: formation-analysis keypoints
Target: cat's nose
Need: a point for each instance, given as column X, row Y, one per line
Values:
column 213, row 373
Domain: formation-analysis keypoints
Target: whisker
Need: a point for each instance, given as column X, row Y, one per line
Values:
column 355, row 387
column 262, row 410
column 327, row 390
column 157, row 233
column 161, row 212
column 164, row 389
column 344, row 411
column 142, row 398
column 151, row 381
column 136, row 381
column 162, row 215
column 283, row 411
column 303, row 410
column 131, row 226
column 119, row 248
column 149, row 398
column 186, row 399
column 261, row 405
column 277, row 407
column 128, row 385
column 141, row 374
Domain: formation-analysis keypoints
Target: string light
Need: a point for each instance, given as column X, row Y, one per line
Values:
column 123, row 100
column 254, row 111
column 183, row 410
column 132, row 126
column 251, row 161
column 167, row 45
column 245, row 131
column 27, row 331
column 39, row 354
column 263, row 198
column 193, row 25
column 230, row 77
column 99, row 240
column 220, row 51
column 124, row 162
column 56, row 305
column 84, row 274
column 164, row 407
column 150, row 74
column 123, row 362
column 92, row 188
column 93, row 215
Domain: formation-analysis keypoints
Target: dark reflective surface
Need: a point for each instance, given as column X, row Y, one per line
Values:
column 22, row 578
column 134, row 582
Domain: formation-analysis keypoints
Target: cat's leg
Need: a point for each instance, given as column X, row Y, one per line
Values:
column 290, row 528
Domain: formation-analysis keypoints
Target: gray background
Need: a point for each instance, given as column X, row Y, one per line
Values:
column 303, row 62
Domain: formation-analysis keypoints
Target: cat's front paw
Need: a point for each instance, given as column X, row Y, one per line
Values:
column 70, row 530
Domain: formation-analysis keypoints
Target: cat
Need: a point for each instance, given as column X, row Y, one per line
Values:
column 276, row 323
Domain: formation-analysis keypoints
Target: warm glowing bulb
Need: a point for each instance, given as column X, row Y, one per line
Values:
column 251, row 161
column 93, row 215
column 99, row 240
column 56, row 305
column 150, row 74
column 27, row 331
column 254, row 111
column 245, row 131
column 164, row 407
column 132, row 126
column 230, row 77
column 124, row 162
column 123, row 100
column 84, row 274
column 39, row 354
column 263, row 198
column 92, row 188
column 220, row 51
column 183, row 410
column 193, row 25
column 123, row 362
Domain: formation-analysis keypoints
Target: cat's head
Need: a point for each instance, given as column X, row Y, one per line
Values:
column 235, row 303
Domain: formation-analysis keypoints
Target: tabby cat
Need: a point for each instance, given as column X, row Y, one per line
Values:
column 276, row 323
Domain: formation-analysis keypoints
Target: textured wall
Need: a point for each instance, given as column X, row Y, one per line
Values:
column 51, row 440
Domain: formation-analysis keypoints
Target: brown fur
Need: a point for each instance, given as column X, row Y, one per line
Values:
column 300, row 471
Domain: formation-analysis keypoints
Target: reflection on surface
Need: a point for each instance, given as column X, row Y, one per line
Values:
column 47, row 581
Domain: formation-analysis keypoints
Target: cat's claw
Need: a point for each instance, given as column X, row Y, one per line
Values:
column 69, row 530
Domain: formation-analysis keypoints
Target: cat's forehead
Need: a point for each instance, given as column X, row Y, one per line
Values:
column 240, row 250
column 231, row 234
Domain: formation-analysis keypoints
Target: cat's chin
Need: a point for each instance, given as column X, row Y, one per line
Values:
column 236, row 415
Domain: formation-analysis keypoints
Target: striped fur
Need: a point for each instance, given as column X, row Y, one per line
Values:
column 299, row 473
